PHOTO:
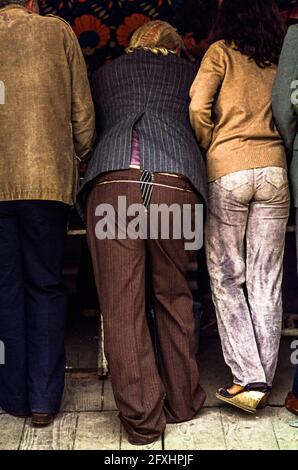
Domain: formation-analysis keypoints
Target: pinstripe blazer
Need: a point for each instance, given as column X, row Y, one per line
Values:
column 151, row 93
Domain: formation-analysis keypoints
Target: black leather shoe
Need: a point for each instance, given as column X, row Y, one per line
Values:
column 42, row 420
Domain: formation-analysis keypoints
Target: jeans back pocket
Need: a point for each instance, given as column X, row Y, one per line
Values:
column 276, row 176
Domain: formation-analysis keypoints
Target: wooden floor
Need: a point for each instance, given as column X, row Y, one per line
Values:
column 88, row 419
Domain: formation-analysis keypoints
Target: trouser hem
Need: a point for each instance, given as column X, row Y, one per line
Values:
column 15, row 410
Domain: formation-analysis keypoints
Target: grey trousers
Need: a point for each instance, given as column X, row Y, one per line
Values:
column 245, row 235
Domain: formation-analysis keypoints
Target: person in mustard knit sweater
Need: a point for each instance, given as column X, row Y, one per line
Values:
column 249, row 200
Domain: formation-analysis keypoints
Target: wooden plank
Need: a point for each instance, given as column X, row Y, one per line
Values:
column 290, row 332
column 125, row 445
column 287, row 437
column 109, row 403
column 60, row 435
column 82, row 393
column 11, row 430
column 203, row 433
column 98, row 431
column 73, row 233
column 103, row 366
column 244, row 431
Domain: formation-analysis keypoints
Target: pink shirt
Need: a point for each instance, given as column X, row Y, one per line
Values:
column 135, row 150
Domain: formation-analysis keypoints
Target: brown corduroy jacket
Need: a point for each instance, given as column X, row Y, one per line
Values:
column 46, row 112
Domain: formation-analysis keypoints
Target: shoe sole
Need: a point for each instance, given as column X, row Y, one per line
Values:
column 230, row 402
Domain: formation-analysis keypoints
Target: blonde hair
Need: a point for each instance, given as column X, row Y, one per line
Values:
column 158, row 37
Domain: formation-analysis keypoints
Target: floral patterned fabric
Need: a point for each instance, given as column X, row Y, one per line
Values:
column 104, row 27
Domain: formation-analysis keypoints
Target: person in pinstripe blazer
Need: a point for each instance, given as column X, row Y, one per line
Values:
column 146, row 152
column 148, row 92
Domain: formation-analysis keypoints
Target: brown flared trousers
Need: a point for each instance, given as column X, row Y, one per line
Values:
column 150, row 389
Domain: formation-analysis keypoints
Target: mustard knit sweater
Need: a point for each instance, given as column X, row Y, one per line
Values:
column 231, row 114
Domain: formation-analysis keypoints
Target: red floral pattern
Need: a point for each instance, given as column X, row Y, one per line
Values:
column 91, row 32
column 131, row 24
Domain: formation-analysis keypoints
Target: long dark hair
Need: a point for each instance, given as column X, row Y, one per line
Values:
column 255, row 27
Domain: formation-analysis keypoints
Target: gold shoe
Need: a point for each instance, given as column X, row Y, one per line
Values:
column 246, row 401
column 264, row 402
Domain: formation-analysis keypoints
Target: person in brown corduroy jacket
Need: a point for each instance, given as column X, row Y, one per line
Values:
column 47, row 120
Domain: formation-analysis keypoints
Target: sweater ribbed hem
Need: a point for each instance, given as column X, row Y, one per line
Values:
column 38, row 195
column 219, row 165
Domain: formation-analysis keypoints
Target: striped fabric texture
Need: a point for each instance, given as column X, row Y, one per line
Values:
column 150, row 93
